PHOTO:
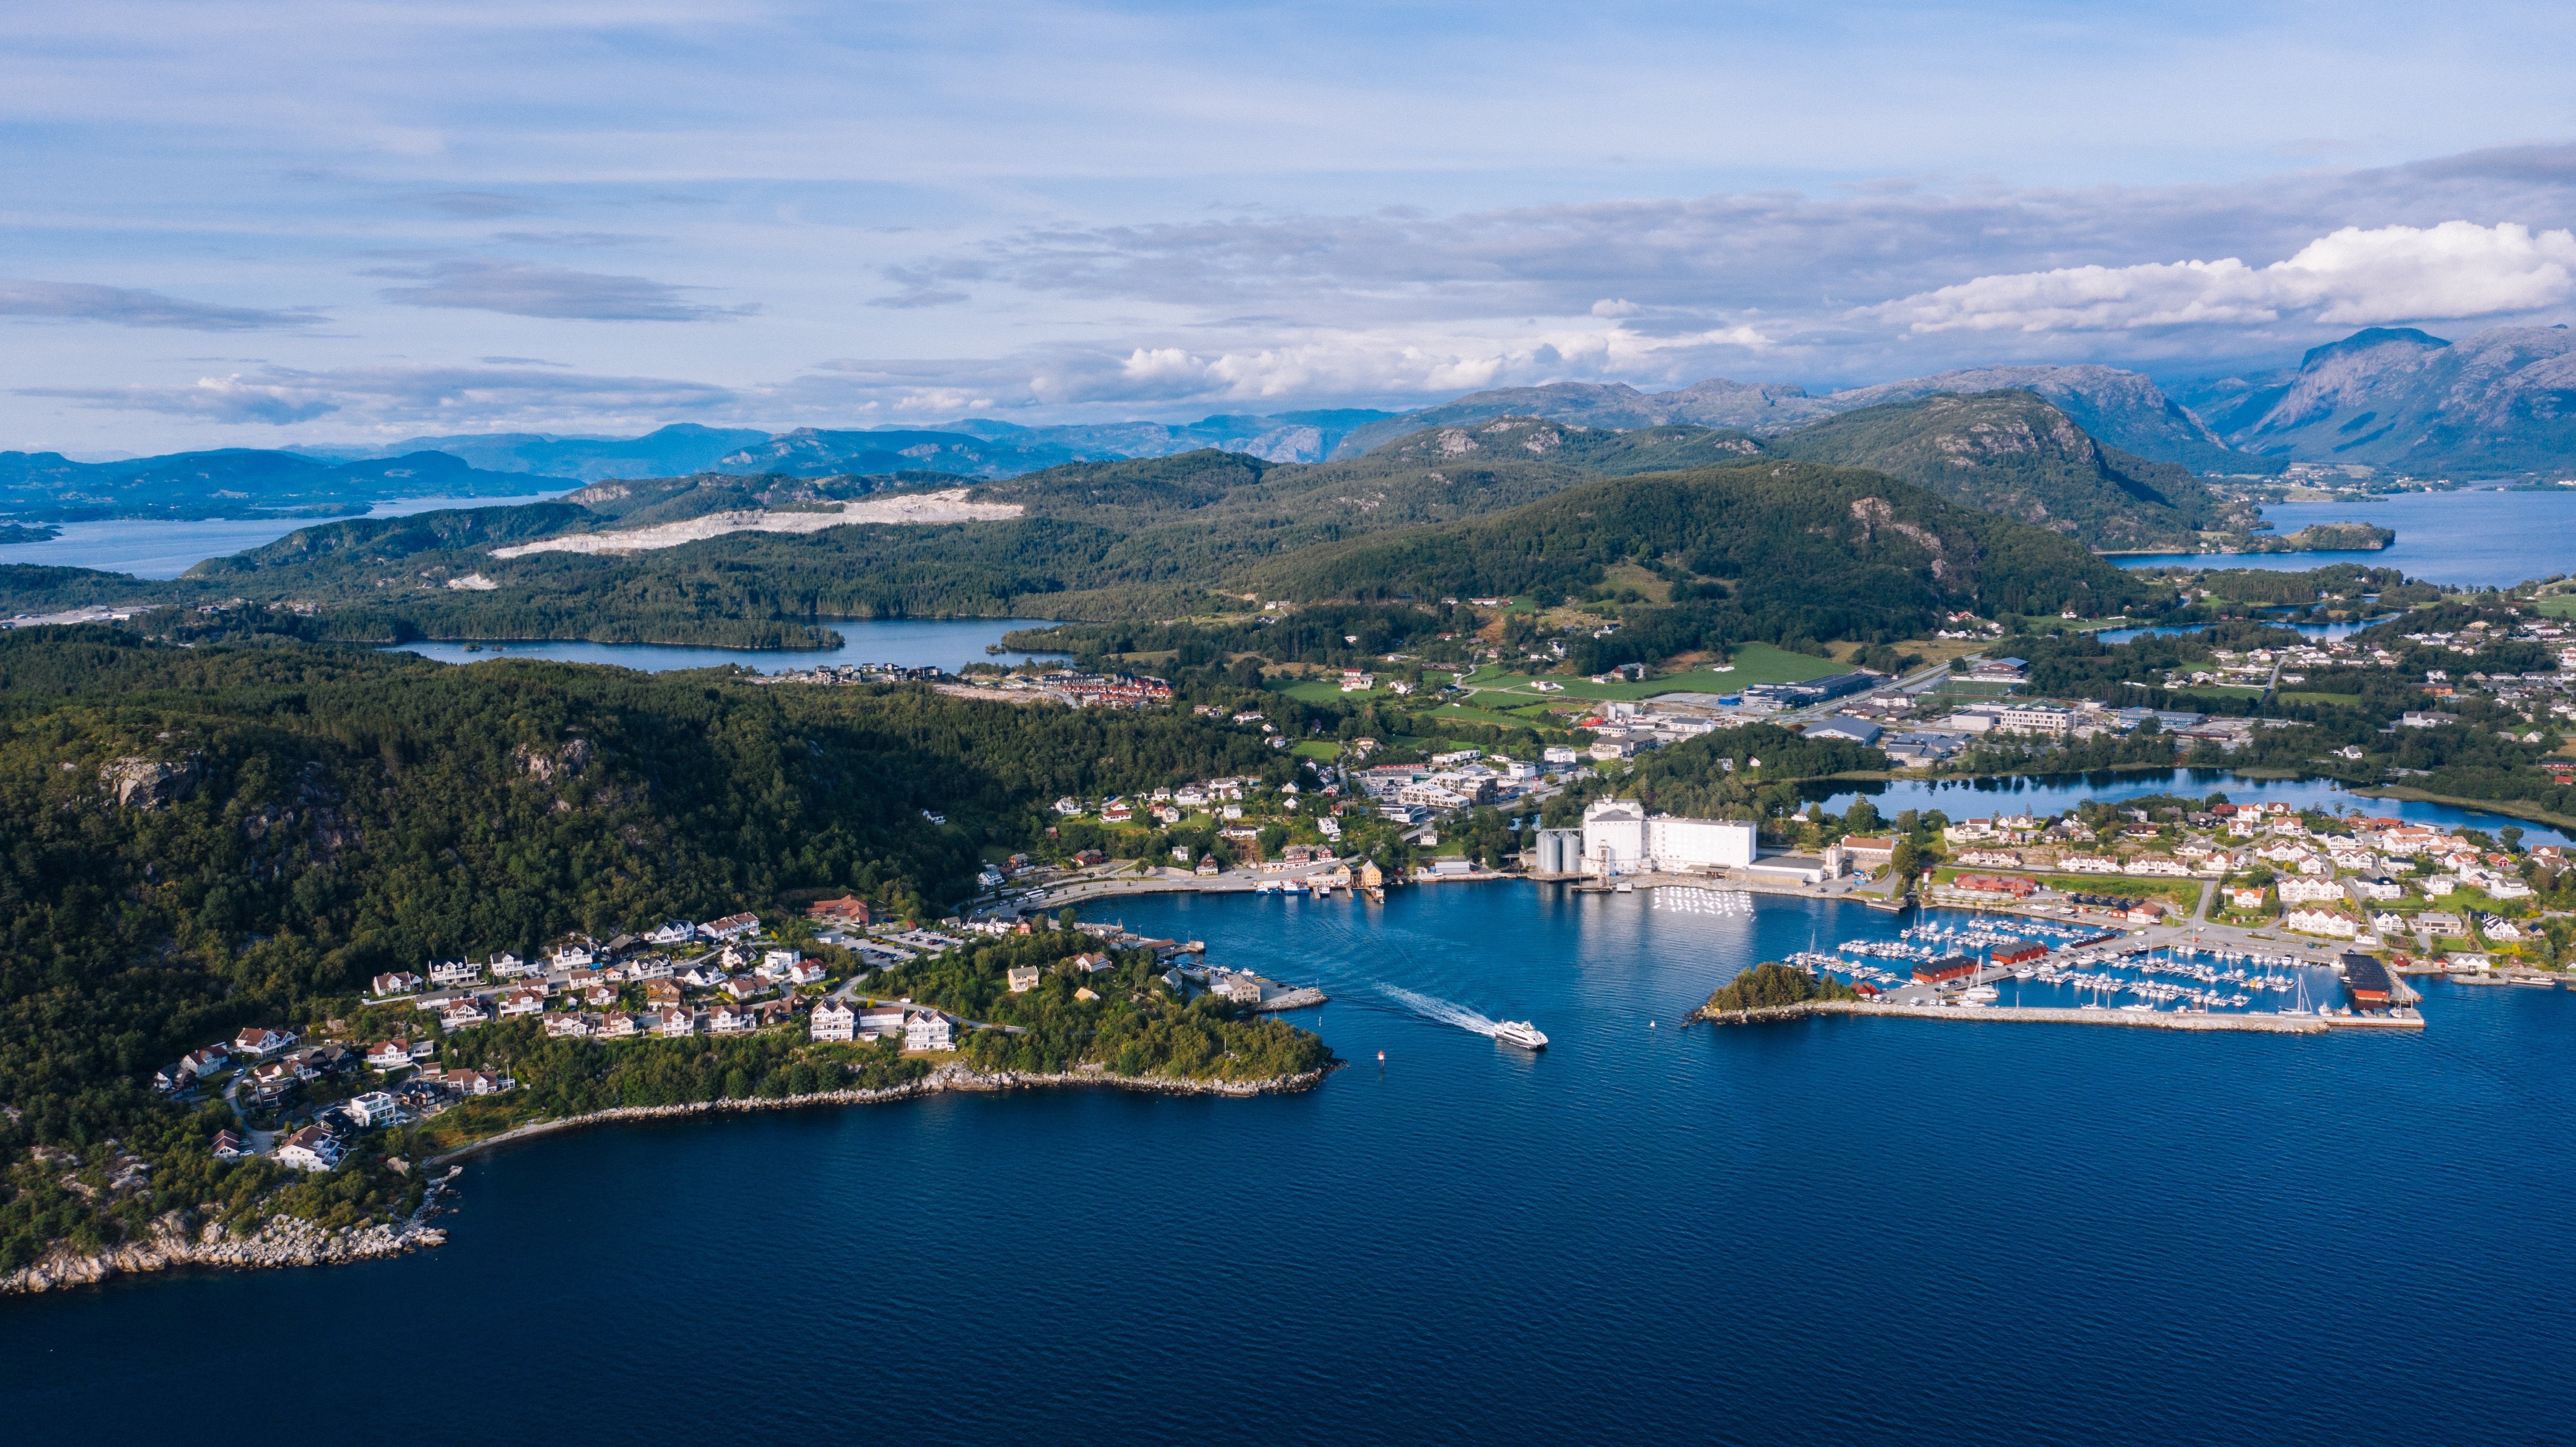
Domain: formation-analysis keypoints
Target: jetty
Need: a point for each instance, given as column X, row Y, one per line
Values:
column 2261, row 1024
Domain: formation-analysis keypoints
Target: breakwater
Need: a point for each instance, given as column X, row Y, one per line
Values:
column 2045, row 1015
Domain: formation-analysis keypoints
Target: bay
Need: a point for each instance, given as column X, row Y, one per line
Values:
column 160, row 548
column 949, row 643
column 1830, row 1231
column 2468, row 538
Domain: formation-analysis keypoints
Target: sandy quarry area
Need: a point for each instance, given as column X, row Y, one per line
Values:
column 931, row 507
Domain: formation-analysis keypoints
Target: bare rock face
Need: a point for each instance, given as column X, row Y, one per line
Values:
column 140, row 783
column 563, row 763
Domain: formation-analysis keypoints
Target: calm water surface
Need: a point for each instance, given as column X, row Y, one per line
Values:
column 155, row 548
column 1834, row 1231
column 2469, row 539
column 949, row 643
column 2051, row 794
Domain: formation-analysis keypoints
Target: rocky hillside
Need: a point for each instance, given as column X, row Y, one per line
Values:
column 2124, row 409
column 2016, row 454
column 2496, row 404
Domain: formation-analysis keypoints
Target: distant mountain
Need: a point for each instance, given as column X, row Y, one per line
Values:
column 2124, row 409
column 2494, row 404
column 236, row 481
column 2018, row 454
column 1713, row 403
column 1284, row 437
column 674, row 451
column 810, row 452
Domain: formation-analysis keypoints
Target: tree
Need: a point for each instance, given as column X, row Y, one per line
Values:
column 1904, row 861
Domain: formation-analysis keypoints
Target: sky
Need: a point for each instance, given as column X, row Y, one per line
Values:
column 254, row 225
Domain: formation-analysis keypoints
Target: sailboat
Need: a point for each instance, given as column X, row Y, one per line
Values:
column 2302, row 1009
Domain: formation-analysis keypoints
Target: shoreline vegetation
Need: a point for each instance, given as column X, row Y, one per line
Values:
column 283, row 1240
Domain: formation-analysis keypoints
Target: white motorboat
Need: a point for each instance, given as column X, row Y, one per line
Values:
column 1521, row 1033
column 1980, row 995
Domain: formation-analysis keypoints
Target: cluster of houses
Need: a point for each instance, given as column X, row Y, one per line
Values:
column 2362, row 879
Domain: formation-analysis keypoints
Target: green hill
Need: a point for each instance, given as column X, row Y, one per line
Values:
column 1784, row 550
column 2016, row 454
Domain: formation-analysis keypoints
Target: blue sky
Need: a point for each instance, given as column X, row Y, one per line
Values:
column 253, row 225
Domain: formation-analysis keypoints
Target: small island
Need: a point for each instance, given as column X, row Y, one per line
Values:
column 1769, row 988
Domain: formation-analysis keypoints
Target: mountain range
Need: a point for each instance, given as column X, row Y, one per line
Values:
column 2499, row 402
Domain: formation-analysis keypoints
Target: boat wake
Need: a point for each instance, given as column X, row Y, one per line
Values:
column 1442, row 1011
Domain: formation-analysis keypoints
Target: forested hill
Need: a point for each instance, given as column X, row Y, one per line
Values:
column 205, row 838
column 1132, row 540
column 2016, row 454
column 1782, row 549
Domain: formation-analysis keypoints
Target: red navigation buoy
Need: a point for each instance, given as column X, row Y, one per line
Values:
column 1381, row 1057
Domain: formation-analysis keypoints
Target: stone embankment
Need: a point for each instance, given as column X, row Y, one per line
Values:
column 280, row 1241
column 2137, row 1019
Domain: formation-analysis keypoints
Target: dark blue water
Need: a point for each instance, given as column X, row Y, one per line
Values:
column 159, row 548
column 1834, row 1231
column 949, row 643
column 2051, row 794
column 2466, row 539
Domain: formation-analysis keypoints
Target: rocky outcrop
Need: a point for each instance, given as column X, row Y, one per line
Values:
column 140, row 783
column 280, row 1241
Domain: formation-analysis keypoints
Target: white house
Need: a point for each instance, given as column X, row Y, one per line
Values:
column 805, row 973
column 2320, row 922
column 461, row 1015
column 731, row 927
column 389, row 1055
column 522, row 1002
column 675, row 1021
column 2310, row 891
column 444, row 973
column 1023, row 978
column 397, row 982
column 834, row 1020
column 507, row 966
column 258, row 1041
column 373, row 1109
column 927, row 1030
column 881, row 1020
column 310, row 1149
column 567, row 1025
column 677, row 932
column 728, row 1019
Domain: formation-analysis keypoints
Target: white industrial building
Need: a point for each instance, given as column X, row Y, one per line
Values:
column 1619, row 837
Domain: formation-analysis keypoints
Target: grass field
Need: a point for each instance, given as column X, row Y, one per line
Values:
column 2346, row 700
column 2182, row 894
column 2558, row 605
column 1753, row 663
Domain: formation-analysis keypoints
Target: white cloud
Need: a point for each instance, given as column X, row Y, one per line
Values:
column 462, row 397
column 2351, row 277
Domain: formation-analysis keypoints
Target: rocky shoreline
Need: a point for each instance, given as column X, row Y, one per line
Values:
column 286, row 1241
column 280, row 1241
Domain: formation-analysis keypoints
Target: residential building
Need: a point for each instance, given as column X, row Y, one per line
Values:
column 617, row 1025
column 834, row 1020
column 1023, row 978
column 567, row 1025
column 373, row 1109
column 2321, row 922
column 446, row 974
column 310, row 1149
column 522, row 1002
column 258, row 1041
column 397, row 982
column 927, row 1030
column 728, row 1018
column 388, row 1056
column 731, row 927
